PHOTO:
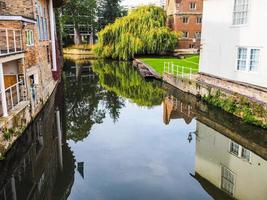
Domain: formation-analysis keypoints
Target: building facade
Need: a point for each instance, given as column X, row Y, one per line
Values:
column 29, row 58
column 233, row 42
column 185, row 16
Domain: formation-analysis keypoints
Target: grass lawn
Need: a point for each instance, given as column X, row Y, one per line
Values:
column 158, row 62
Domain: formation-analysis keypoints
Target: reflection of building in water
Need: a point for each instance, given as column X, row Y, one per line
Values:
column 80, row 71
column 174, row 108
column 32, row 167
column 229, row 166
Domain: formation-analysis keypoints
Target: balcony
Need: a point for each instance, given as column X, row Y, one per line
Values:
column 13, row 97
column 10, row 41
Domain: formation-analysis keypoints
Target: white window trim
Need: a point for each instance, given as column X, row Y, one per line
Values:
column 248, row 13
column 187, row 20
column 240, row 147
column 234, row 183
column 192, row 8
column 248, row 60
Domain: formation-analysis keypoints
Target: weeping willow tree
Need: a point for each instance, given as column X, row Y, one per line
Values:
column 143, row 31
column 122, row 79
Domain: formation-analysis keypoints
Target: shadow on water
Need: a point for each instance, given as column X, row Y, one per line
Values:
column 147, row 140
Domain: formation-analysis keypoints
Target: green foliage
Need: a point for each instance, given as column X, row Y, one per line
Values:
column 7, row 134
column 122, row 79
column 250, row 112
column 143, row 31
column 108, row 11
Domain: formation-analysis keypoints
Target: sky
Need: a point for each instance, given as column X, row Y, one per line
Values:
column 138, row 2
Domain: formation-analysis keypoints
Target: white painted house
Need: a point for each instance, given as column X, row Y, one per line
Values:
column 234, row 40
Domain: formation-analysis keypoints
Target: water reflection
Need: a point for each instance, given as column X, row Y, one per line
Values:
column 125, row 81
column 35, row 165
column 113, row 130
column 230, row 159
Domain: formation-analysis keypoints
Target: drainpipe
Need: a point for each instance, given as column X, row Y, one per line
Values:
column 52, row 33
column 3, row 91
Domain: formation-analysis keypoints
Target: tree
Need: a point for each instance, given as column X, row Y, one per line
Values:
column 143, row 31
column 108, row 11
column 79, row 12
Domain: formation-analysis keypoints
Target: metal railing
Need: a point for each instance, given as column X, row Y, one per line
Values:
column 10, row 41
column 179, row 71
column 14, row 95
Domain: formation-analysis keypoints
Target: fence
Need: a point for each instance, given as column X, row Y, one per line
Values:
column 14, row 95
column 179, row 71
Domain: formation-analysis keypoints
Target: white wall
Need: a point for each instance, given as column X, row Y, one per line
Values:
column 220, row 40
column 212, row 152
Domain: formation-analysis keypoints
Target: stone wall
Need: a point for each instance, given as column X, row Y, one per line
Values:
column 242, row 100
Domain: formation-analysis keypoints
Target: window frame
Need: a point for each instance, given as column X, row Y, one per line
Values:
column 190, row 6
column 248, row 59
column 185, row 33
column 29, row 32
column 185, row 21
column 237, row 21
column 239, row 153
column 199, row 20
column 226, row 179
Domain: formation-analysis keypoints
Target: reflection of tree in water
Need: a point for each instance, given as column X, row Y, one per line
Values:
column 124, row 80
column 86, row 102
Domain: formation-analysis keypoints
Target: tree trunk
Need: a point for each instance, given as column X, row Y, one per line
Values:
column 77, row 35
column 91, row 42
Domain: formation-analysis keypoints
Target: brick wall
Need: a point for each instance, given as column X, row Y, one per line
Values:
column 192, row 26
column 23, row 8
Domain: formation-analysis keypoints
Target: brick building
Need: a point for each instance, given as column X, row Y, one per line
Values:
column 29, row 63
column 186, row 16
column 29, row 54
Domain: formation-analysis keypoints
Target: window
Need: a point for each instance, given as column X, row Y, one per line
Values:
column 191, row 46
column 248, row 59
column 185, row 20
column 227, row 181
column 242, row 59
column 240, row 15
column 42, row 20
column 254, row 59
column 29, row 38
column 185, row 35
column 199, row 20
column 192, row 6
column 234, row 148
column 245, row 154
column 240, row 151
column 198, row 35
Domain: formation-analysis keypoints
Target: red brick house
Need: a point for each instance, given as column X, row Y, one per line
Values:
column 186, row 16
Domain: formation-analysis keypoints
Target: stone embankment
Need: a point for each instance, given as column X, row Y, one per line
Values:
column 145, row 70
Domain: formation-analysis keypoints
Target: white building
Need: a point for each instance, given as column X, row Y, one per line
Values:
column 234, row 40
column 229, row 166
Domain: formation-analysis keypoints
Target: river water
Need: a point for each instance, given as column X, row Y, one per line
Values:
column 124, row 138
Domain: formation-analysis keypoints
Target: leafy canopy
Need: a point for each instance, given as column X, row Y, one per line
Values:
column 143, row 31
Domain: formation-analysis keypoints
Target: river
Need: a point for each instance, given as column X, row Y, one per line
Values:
column 124, row 138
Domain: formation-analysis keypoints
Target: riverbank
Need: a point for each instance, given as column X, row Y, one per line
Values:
column 244, row 101
column 77, row 51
